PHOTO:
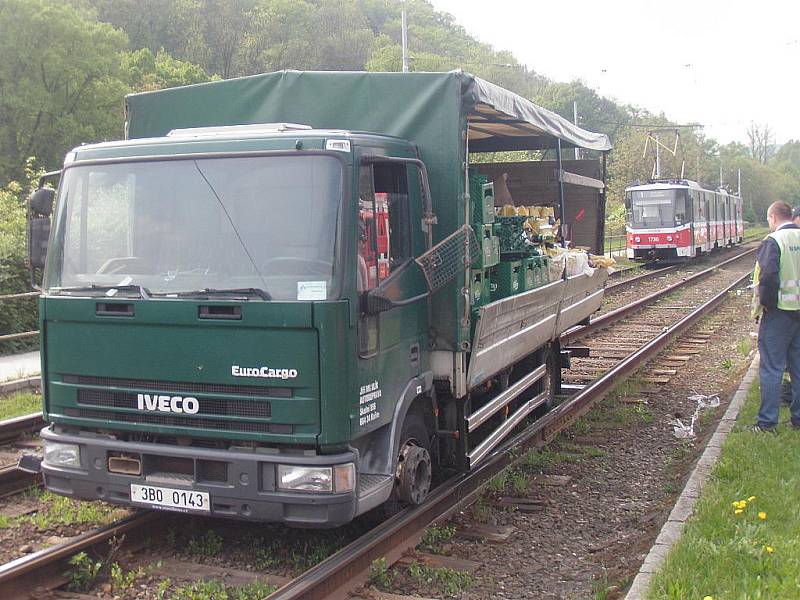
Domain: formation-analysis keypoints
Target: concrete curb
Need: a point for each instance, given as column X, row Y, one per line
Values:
column 672, row 529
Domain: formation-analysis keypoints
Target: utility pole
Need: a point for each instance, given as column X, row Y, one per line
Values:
column 575, row 119
column 404, row 36
column 658, row 156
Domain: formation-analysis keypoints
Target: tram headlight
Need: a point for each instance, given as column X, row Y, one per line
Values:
column 669, row 238
column 637, row 239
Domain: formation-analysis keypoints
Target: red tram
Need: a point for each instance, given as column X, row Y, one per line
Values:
column 677, row 218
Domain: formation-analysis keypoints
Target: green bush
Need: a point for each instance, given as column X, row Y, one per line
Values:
column 21, row 314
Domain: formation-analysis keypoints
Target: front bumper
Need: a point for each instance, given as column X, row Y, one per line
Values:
column 240, row 485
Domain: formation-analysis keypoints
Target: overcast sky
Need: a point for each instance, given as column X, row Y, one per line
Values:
column 721, row 64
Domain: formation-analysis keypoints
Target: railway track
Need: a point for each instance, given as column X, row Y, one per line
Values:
column 336, row 576
column 12, row 479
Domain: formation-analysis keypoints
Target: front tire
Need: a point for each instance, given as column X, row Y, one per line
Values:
column 414, row 472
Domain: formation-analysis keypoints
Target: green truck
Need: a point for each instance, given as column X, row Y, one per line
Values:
column 260, row 304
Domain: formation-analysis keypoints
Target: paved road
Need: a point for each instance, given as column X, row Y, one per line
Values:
column 19, row 366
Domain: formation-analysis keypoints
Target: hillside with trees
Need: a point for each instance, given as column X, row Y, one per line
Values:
column 67, row 65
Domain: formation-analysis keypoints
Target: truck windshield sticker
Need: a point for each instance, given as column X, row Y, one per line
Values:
column 367, row 403
column 312, row 290
column 265, row 372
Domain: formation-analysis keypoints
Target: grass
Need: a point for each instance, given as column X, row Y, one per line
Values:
column 744, row 346
column 446, row 581
column 754, row 553
column 434, row 537
column 60, row 510
column 216, row 590
column 19, row 404
column 208, row 544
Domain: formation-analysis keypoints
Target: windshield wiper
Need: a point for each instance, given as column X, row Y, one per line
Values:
column 105, row 289
column 243, row 293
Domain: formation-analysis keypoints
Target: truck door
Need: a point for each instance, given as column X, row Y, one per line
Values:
column 389, row 341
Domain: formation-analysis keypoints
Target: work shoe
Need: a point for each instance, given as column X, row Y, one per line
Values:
column 761, row 429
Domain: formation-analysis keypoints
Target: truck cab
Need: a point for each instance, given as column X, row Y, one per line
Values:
column 214, row 311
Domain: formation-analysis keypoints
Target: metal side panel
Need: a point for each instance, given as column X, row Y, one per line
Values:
column 512, row 328
column 583, row 295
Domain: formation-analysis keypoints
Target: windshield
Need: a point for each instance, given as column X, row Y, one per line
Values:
column 261, row 224
column 657, row 208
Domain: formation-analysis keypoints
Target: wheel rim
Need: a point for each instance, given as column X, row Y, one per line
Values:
column 414, row 474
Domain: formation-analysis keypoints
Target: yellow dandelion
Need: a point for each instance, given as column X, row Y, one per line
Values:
column 751, row 498
column 762, row 515
column 735, row 504
column 708, row 598
column 769, row 549
column 738, row 511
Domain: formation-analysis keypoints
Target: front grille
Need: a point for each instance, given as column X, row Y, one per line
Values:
column 176, row 421
column 179, row 386
column 253, row 409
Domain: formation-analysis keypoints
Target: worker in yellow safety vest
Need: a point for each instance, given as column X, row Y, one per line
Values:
column 776, row 306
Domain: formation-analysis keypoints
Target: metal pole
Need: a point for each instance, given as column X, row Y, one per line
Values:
column 562, row 214
column 404, row 27
column 739, row 184
column 601, row 234
column 658, row 156
column 575, row 119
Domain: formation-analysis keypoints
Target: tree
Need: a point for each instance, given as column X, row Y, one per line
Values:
column 59, row 82
column 760, row 137
column 143, row 71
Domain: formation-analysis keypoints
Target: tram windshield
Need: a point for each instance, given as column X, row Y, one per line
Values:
column 657, row 208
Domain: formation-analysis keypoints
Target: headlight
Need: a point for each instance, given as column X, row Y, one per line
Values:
column 62, row 455
column 637, row 239
column 669, row 238
column 341, row 478
column 307, row 479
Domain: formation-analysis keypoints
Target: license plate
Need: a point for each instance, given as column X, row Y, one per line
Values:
column 182, row 500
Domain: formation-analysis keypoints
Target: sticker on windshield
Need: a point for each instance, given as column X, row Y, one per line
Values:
column 312, row 290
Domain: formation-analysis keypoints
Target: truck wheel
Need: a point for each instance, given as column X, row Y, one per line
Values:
column 414, row 466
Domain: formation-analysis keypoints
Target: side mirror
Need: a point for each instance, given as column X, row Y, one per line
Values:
column 404, row 286
column 41, row 201
column 40, row 207
column 38, row 236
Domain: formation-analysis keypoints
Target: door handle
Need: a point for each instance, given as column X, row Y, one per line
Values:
column 413, row 355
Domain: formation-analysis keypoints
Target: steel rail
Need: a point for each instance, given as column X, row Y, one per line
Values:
column 45, row 568
column 639, row 278
column 13, row 481
column 334, row 577
column 11, row 429
column 650, row 274
column 579, row 404
column 613, row 316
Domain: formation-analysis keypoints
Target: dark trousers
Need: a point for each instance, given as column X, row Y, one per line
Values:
column 779, row 347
